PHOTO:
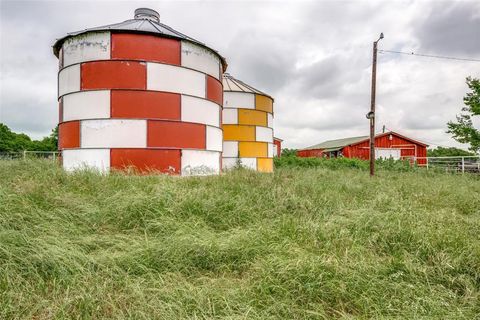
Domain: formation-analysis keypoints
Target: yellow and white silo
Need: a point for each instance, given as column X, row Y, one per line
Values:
column 247, row 126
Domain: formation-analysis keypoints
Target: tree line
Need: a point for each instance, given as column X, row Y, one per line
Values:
column 13, row 142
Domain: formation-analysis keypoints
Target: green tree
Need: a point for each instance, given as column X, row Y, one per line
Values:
column 14, row 142
column 289, row 152
column 448, row 152
column 463, row 130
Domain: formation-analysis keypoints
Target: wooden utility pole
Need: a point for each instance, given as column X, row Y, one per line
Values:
column 371, row 114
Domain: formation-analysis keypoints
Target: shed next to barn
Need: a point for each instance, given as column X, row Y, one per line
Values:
column 387, row 145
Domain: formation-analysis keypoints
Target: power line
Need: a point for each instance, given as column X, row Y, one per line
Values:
column 428, row 55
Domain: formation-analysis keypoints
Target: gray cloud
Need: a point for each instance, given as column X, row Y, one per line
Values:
column 451, row 28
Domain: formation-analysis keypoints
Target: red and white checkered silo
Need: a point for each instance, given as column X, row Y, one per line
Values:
column 138, row 93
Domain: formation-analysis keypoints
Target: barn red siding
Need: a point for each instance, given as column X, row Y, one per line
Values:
column 362, row 150
column 310, row 153
column 278, row 145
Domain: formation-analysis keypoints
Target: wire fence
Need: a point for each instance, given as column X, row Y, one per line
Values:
column 469, row 164
column 23, row 155
column 450, row 164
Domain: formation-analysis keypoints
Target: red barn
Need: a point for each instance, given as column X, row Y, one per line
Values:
column 278, row 147
column 387, row 145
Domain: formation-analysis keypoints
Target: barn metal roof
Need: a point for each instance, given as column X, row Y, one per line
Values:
column 145, row 21
column 337, row 144
column 333, row 145
column 232, row 84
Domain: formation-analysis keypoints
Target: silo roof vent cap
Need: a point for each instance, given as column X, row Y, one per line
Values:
column 148, row 14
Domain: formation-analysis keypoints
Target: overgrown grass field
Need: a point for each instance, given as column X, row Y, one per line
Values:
column 303, row 243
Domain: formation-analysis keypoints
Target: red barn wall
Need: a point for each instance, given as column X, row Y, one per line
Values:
column 407, row 148
column 310, row 153
column 362, row 150
column 278, row 145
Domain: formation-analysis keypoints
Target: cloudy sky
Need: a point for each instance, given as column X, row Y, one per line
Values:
column 314, row 58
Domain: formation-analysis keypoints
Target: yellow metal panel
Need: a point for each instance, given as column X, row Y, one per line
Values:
column 232, row 132
column 253, row 117
column 265, row 165
column 253, row 149
column 263, row 103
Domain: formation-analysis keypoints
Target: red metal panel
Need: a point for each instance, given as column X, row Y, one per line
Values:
column 310, row 153
column 278, row 145
column 113, row 75
column 69, row 135
column 145, row 104
column 145, row 47
column 214, row 90
column 168, row 134
column 145, row 160
column 407, row 147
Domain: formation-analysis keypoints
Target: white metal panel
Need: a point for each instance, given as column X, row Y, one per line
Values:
column 199, row 58
column 214, row 139
column 76, row 159
column 113, row 133
column 200, row 111
column 238, row 100
column 169, row 78
column 200, row 162
column 272, row 150
column 230, row 149
column 270, row 120
column 264, row 134
column 69, row 80
column 86, row 105
column 230, row 116
column 249, row 163
column 86, row 47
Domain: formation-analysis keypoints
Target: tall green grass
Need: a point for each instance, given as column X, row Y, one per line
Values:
column 303, row 243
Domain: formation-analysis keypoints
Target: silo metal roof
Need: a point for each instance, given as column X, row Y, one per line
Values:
column 234, row 85
column 140, row 24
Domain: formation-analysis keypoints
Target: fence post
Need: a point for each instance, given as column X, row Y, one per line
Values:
column 54, row 156
column 427, row 163
column 463, row 165
column 24, row 154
